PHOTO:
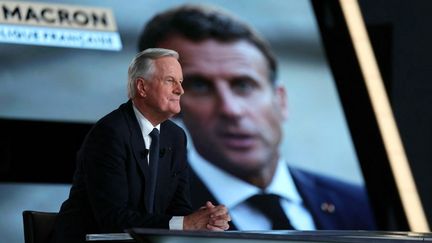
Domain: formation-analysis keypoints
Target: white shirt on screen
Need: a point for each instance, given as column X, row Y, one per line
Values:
column 233, row 192
column 176, row 222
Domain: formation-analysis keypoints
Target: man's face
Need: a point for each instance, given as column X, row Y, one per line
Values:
column 163, row 91
column 230, row 108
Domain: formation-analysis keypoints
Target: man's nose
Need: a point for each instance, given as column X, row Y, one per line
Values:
column 230, row 104
column 178, row 89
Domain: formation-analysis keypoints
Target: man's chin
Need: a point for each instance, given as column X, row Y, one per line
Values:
column 174, row 111
column 245, row 163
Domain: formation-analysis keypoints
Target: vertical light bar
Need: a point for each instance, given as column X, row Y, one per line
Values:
column 386, row 123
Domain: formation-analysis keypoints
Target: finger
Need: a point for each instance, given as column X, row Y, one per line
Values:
column 221, row 225
column 225, row 217
column 218, row 222
column 218, row 211
column 214, row 228
column 219, row 208
column 209, row 205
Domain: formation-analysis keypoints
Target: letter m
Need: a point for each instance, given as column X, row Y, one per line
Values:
column 7, row 13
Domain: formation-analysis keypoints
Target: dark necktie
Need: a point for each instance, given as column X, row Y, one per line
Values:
column 269, row 205
column 153, row 164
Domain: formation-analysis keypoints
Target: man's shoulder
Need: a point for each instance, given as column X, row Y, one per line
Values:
column 115, row 115
column 113, row 122
column 171, row 128
column 350, row 200
column 313, row 180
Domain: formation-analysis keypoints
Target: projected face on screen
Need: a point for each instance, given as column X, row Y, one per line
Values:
column 233, row 112
column 231, row 107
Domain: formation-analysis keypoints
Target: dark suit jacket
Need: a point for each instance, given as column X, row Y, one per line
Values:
column 110, row 184
column 352, row 211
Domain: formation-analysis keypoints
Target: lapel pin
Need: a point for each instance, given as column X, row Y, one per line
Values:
column 328, row 207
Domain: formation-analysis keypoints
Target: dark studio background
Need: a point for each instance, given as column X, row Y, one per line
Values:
column 401, row 37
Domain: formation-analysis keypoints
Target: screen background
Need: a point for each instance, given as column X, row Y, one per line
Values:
column 77, row 85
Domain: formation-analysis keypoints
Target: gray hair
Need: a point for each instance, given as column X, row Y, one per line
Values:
column 142, row 66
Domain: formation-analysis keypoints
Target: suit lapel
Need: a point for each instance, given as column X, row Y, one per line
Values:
column 137, row 144
column 317, row 200
column 136, row 139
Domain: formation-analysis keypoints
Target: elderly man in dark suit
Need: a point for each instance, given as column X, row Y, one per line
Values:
column 234, row 111
column 132, row 169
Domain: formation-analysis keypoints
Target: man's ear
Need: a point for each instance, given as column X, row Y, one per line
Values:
column 141, row 87
column 282, row 101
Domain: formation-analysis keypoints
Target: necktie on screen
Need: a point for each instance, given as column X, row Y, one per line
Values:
column 269, row 205
column 153, row 164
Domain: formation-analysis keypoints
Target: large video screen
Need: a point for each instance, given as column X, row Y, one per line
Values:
column 58, row 63
column 81, row 85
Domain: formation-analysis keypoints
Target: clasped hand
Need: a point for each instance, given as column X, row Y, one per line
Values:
column 208, row 217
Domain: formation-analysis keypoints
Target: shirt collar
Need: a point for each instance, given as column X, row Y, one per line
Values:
column 231, row 191
column 144, row 123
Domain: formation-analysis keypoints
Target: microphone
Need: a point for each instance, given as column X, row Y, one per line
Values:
column 162, row 152
column 144, row 153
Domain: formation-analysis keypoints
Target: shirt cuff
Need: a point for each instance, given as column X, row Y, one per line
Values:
column 176, row 223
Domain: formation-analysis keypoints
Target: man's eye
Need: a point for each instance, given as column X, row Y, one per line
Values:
column 243, row 86
column 170, row 81
column 197, row 86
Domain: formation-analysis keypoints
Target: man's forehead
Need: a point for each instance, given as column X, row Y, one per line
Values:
column 211, row 48
column 166, row 63
column 222, row 56
column 167, row 66
column 240, row 49
column 210, row 57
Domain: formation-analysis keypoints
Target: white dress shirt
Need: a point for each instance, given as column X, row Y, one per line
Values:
column 176, row 222
column 233, row 192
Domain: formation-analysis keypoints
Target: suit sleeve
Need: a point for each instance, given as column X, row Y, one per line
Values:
column 104, row 157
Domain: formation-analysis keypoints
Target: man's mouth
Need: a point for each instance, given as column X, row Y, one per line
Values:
column 240, row 141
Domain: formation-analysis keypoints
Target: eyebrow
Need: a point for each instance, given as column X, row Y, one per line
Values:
column 172, row 77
